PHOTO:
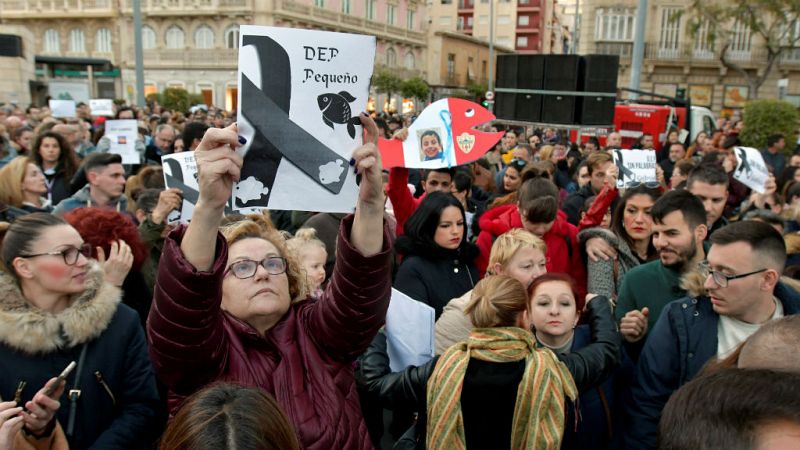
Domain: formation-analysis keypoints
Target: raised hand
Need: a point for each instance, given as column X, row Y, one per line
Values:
column 119, row 262
column 633, row 326
column 218, row 166
column 168, row 200
column 367, row 232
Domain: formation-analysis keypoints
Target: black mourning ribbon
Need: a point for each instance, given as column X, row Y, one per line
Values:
column 276, row 136
column 175, row 180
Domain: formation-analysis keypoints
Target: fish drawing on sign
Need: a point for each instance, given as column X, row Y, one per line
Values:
column 250, row 189
column 336, row 109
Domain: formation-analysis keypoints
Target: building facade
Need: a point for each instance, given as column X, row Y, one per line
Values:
column 676, row 59
column 193, row 43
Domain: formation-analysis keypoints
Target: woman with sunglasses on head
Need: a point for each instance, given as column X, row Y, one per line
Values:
column 234, row 306
column 57, row 306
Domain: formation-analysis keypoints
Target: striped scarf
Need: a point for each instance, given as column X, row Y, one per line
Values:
column 539, row 412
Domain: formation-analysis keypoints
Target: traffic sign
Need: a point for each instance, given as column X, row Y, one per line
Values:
column 489, row 95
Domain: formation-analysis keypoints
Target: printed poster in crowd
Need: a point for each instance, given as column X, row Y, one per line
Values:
column 62, row 108
column 122, row 134
column 442, row 136
column 102, row 107
column 751, row 169
column 300, row 95
column 635, row 167
column 409, row 332
column 180, row 172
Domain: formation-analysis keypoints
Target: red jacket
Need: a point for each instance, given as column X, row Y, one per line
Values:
column 305, row 361
column 563, row 251
column 403, row 203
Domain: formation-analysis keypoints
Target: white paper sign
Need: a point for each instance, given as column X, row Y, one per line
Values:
column 180, row 171
column 635, row 167
column 102, row 107
column 62, row 108
column 300, row 94
column 409, row 332
column 751, row 169
column 123, row 134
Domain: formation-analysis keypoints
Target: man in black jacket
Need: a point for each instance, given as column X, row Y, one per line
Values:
column 597, row 163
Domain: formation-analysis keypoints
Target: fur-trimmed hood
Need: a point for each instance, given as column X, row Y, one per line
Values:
column 30, row 330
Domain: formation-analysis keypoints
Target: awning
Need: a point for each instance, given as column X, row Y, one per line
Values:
column 76, row 61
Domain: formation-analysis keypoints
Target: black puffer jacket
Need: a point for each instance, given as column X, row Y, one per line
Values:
column 589, row 367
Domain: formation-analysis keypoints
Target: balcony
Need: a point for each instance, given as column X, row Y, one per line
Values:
column 621, row 49
column 466, row 5
column 52, row 9
column 454, row 79
column 189, row 58
column 189, row 7
column 528, row 5
column 298, row 12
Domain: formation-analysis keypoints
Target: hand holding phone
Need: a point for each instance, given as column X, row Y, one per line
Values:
column 61, row 377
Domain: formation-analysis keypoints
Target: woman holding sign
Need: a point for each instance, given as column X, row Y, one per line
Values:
column 237, row 310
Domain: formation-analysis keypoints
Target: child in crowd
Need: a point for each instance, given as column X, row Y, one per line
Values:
column 310, row 251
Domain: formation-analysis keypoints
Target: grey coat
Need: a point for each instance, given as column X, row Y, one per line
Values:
column 601, row 279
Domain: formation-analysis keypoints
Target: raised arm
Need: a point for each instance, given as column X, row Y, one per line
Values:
column 367, row 232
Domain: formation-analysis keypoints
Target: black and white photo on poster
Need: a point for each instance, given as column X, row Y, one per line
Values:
column 299, row 98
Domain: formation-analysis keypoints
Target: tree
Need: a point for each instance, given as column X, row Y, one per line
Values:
column 176, row 99
column 386, row 82
column 763, row 118
column 774, row 22
column 477, row 90
column 415, row 88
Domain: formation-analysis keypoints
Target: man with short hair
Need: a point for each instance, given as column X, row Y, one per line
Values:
column 731, row 295
column 774, row 346
column 773, row 154
column 161, row 145
column 509, row 140
column 597, row 163
column 646, row 142
column 613, row 141
column 676, row 152
column 193, row 133
column 105, row 188
column 679, row 228
column 709, row 183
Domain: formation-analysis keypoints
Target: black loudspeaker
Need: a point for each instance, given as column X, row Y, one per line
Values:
column 519, row 72
column 504, row 102
column 10, row 45
column 598, row 73
column 560, row 74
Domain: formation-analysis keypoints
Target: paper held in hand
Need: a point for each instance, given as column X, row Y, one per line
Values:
column 62, row 108
column 102, row 107
column 751, row 170
column 635, row 167
column 409, row 332
column 300, row 95
column 123, row 134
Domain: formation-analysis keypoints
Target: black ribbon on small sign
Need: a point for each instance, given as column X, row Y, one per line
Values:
column 276, row 135
column 174, row 179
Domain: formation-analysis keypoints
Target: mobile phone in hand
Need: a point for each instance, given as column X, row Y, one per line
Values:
column 61, row 377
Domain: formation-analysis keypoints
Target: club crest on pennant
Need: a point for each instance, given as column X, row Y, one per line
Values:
column 465, row 142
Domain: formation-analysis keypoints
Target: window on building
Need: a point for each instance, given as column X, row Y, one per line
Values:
column 175, row 37
column 522, row 41
column 52, row 42
column 460, row 23
column 469, row 22
column 614, row 24
column 740, row 41
column 483, row 20
column 410, row 62
column 204, row 37
column 447, row 2
column 703, row 48
column 148, row 37
column 232, row 37
column 470, row 69
column 523, row 21
column 483, row 70
column 451, row 65
column 102, row 41
column 345, row 6
column 319, row 3
column 391, row 57
column 669, row 39
column 370, row 9
column 390, row 14
column 504, row 41
column 410, row 19
column 77, row 41
column 445, row 21
column 504, row 19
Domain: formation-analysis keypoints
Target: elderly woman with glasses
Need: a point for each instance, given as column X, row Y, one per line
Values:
column 58, row 307
column 234, row 306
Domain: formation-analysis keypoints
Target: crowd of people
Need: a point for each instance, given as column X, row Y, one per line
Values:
column 569, row 312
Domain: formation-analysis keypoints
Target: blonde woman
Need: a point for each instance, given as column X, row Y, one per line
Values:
column 23, row 187
column 518, row 254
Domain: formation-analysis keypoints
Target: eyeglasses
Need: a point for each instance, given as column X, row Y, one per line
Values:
column 721, row 279
column 70, row 254
column 518, row 164
column 246, row 268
